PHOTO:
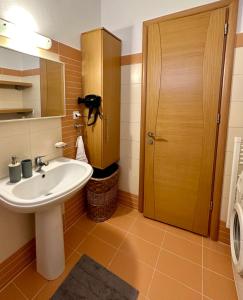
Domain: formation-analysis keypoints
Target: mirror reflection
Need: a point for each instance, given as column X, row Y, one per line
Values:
column 30, row 87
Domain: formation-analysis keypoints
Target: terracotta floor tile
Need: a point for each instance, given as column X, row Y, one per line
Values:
column 109, row 234
column 218, row 287
column 85, row 223
column 53, row 285
column 165, row 288
column 217, row 246
column 142, row 250
column 74, row 236
column 11, row 293
column 181, row 270
column 141, row 297
column 134, row 272
column 179, row 274
column 217, row 262
column 97, row 249
column 123, row 222
column 147, row 232
column 183, row 247
column 68, row 251
column 151, row 222
column 30, row 282
column 192, row 237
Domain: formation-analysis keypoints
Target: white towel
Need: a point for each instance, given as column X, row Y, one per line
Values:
column 80, row 155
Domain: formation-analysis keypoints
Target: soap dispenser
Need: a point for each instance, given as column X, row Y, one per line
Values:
column 14, row 170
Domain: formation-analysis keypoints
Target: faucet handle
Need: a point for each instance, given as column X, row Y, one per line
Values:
column 38, row 159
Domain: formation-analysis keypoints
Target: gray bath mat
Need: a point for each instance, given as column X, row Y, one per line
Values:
column 88, row 280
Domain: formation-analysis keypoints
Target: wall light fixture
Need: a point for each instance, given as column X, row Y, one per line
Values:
column 14, row 32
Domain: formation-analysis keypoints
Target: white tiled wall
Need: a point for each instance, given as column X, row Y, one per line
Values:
column 130, row 127
column 235, row 125
column 25, row 139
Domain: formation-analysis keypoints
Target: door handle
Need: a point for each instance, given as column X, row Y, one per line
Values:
column 151, row 135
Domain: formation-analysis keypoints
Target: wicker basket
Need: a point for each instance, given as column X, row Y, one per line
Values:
column 102, row 197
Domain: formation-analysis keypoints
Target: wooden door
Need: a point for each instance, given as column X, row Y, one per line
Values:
column 183, row 88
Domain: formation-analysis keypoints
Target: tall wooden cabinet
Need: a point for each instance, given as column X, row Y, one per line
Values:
column 101, row 75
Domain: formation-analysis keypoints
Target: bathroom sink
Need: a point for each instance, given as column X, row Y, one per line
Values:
column 43, row 194
column 55, row 184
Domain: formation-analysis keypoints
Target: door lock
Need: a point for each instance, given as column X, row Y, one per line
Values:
column 150, row 138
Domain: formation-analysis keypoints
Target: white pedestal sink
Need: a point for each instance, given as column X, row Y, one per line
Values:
column 43, row 194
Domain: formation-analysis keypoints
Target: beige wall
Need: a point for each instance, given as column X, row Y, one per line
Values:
column 25, row 139
column 235, row 125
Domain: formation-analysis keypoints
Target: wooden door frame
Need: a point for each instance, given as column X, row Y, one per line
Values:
column 232, row 6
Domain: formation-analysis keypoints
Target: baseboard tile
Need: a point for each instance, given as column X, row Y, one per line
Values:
column 11, row 267
column 224, row 233
column 128, row 199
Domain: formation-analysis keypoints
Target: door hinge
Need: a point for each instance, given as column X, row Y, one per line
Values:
column 218, row 118
column 226, row 28
column 211, row 205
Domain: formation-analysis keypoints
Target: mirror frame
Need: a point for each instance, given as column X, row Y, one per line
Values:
column 40, row 53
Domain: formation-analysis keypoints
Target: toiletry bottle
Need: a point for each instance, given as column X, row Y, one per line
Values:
column 14, row 170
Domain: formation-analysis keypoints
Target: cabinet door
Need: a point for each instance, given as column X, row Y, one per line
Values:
column 52, row 92
column 111, row 98
column 91, row 43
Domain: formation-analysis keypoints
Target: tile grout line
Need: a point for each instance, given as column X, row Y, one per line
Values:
column 222, row 275
column 139, row 237
column 217, row 252
column 181, row 237
column 81, row 242
column 16, row 276
column 40, row 290
column 21, row 292
column 170, row 232
column 118, row 249
column 155, row 267
column 182, row 257
column 180, row 282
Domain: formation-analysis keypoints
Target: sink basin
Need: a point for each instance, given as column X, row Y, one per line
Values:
column 55, row 184
column 43, row 194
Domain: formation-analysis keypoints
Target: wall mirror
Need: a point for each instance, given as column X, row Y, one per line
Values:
column 30, row 87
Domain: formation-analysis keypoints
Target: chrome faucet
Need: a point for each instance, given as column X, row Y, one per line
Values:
column 39, row 163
